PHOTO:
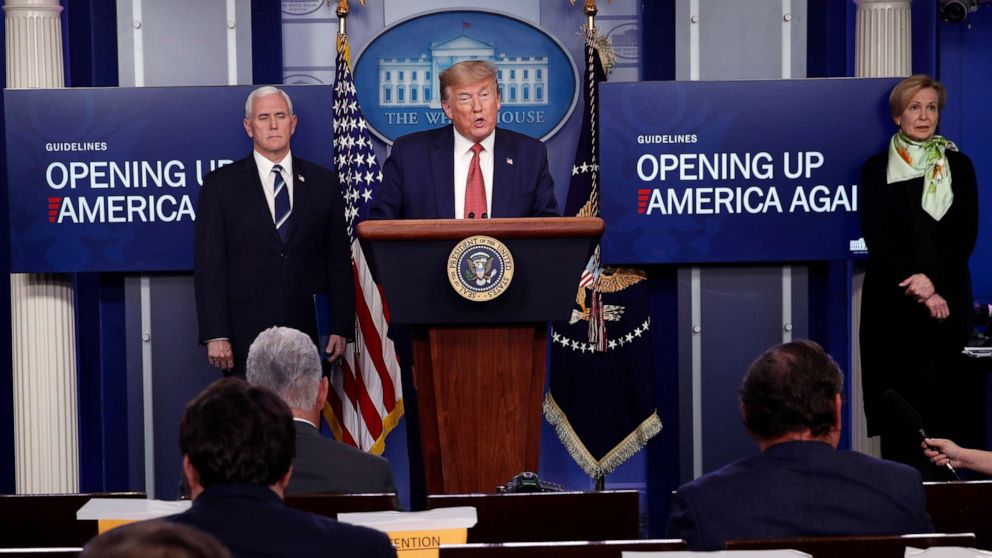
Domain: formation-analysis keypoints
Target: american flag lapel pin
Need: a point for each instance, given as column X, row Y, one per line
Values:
column 509, row 161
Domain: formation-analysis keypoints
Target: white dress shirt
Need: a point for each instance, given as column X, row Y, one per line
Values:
column 463, row 158
column 269, row 180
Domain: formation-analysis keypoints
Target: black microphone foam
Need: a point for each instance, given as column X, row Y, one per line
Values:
column 910, row 417
column 904, row 411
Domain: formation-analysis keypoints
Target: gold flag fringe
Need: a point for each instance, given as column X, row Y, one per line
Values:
column 389, row 422
column 620, row 453
column 602, row 44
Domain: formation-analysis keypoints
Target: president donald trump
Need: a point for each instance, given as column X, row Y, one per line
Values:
column 469, row 169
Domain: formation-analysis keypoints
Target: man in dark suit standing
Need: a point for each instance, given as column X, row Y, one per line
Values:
column 800, row 484
column 285, row 361
column 238, row 443
column 270, row 234
column 469, row 169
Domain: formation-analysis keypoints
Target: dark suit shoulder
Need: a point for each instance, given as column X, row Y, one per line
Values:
column 728, row 475
column 310, row 531
column 325, row 465
column 797, row 489
column 825, row 458
column 889, row 471
column 304, row 166
column 351, row 456
column 516, row 137
column 364, row 541
column 423, row 137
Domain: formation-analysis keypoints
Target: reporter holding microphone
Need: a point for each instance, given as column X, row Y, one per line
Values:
column 941, row 452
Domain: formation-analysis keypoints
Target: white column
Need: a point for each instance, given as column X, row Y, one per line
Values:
column 42, row 308
column 882, row 34
column 882, row 48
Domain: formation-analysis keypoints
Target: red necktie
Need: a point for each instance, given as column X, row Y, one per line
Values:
column 475, row 188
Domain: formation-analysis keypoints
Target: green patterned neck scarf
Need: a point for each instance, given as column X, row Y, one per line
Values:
column 910, row 159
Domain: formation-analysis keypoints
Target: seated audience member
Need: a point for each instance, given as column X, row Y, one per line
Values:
column 238, row 442
column 285, row 360
column 942, row 451
column 155, row 539
column 800, row 484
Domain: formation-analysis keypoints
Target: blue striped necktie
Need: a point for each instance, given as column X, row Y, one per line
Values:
column 282, row 207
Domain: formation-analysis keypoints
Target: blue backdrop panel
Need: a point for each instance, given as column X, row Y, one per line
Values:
column 107, row 179
column 743, row 171
column 966, row 71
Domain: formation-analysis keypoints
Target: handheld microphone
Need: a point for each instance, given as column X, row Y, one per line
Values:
column 911, row 418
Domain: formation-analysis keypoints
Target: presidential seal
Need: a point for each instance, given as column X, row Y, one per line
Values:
column 480, row 268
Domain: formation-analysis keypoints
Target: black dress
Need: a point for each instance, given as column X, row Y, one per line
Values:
column 902, row 347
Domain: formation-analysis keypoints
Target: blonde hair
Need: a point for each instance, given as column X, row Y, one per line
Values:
column 467, row 71
column 903, row 92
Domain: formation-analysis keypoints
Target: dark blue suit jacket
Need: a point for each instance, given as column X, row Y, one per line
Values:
column 418, row 178
column 326, row 465
column 246, row 279
column 253, row 522
column 798, row 489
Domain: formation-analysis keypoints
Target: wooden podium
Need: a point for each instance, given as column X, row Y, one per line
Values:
column 479, row 367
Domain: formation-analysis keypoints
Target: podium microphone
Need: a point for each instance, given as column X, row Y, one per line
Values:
column 910, row 417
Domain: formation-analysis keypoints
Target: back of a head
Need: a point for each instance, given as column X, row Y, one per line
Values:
column 155, row 539
column 234, row 432
column 286, row 361
column 791, row 388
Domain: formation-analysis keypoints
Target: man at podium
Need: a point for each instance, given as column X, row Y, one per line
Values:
column 468, row 169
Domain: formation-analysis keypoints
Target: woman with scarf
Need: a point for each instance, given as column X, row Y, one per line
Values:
column 919, row 216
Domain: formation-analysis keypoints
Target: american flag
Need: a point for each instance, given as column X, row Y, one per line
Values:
column 366, row 397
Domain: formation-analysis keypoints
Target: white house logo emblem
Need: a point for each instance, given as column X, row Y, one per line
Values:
column 397, row 73
column 301, row 7
column 859, row 246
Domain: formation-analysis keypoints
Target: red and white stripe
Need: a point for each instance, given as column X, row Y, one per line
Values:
column 366, row 399
column 367, row 394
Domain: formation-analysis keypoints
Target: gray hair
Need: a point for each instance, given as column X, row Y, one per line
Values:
column 286, row 361
column 265, row 91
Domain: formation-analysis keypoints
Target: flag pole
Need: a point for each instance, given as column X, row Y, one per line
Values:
column 590, row 10
column 365, row 401
column 342, row 13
